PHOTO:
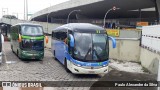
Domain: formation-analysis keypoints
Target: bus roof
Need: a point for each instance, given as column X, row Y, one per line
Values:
column 27, row 24
column 80, row 27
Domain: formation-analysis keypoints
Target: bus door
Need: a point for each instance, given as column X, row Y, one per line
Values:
column 15, row 35
column 60, row 47
column 70, row 49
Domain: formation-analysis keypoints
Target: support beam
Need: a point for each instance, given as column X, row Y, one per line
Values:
column 157, row 6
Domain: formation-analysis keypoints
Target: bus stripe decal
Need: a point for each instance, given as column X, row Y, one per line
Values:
column 36, row 38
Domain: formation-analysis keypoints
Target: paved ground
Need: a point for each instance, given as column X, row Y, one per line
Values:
column 14, row 69
column 130, row 81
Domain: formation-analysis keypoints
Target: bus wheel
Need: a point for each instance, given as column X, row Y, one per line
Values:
column 18, row 55
column 54, row 55
column 65, row 65
column 12, row 48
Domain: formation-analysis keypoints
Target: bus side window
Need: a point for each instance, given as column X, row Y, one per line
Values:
column 70, row 49
column 64, row 36
column 57, row 35
column 13, row 33
column 19, row 29
column 61, row 36
column 53, row 35
column 17, row 32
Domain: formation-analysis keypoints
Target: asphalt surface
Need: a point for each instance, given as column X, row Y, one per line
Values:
column 121, row 80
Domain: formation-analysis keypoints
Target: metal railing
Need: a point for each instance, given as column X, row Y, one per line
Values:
column 127, row 21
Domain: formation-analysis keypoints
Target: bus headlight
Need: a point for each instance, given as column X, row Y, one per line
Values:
column 23, row 52
column 77, row 64
column 41, row 53
column 104, row 65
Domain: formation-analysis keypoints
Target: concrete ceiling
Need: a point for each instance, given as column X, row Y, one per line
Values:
column 97, row 10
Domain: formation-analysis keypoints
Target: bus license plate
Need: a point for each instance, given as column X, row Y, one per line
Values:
column 92, row 72
column 33, row 57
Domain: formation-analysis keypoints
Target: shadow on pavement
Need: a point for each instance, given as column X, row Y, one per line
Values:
column 29, row 60
column 115, row 77
column 87, row 76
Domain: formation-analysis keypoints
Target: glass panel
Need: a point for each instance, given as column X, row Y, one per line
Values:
column 83, row 45
column 32, row 30
column 99, row 47
column 90, row 47
column 32, row 44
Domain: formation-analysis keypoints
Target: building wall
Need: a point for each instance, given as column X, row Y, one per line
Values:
column 149, row 60
column 150, row 48
column 127, row 46
column 126, row 50
column 150, row 37
column 129, row 34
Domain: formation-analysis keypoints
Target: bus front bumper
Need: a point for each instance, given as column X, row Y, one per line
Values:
column 80, row 70
column 31, row 55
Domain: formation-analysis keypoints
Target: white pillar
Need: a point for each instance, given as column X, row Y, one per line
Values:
column 158, row 79
column 158, row 7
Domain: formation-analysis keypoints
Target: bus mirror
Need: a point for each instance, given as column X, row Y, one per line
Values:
column 2, row 38
column 46, row 38
column 71, row 40
column 19, row 38
column 113, row 41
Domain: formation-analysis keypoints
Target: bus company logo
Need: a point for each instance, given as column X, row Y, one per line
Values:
column 92, row 67
column 6, row 84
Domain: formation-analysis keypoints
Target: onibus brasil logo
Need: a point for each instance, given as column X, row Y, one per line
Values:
column 19, row 84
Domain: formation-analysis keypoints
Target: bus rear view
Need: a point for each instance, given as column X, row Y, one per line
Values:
column 27, row 41
column 86, row 51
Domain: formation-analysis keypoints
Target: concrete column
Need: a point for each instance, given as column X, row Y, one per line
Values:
column 52, row 19
column 158, row 9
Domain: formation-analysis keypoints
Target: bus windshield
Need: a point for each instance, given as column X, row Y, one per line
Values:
column 33, row 44
column 90, row 47
column 32, row 30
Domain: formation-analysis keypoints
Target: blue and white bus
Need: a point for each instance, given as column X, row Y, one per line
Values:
column 82, row 48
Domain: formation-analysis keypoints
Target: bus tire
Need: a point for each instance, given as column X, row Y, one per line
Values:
column 65, row 65
column 18, row 54
column 54, row 55
column 12, row 48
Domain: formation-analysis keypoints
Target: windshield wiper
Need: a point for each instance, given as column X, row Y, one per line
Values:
column 97, row 55
column 92, row 54
column 87, row 53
